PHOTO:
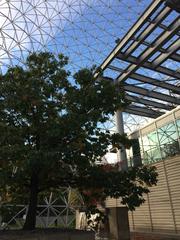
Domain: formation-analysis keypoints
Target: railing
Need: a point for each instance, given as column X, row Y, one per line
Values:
column 155, row 154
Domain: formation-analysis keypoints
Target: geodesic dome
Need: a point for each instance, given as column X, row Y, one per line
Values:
column 84, row 30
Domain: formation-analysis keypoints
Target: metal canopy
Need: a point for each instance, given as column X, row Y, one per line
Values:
column 149, row 67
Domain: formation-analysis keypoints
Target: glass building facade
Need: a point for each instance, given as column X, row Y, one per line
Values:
column 159, row 140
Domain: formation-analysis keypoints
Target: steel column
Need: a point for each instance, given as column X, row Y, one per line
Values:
column 122, row 158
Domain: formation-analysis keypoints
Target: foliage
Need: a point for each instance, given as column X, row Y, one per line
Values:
column 51, row 135
column 129, row 185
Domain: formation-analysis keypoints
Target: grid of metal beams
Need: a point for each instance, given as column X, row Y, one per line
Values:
column 86, row 31
column 156, row 90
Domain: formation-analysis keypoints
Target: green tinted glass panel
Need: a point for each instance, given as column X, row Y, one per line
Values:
column 167, row 134
column 178, row 126
column 168, row 139
column 161, row 144
column 150, row 141
column 170, row 149
column 151, row 148
column 153, row 140
column 152, row 155
column 145, row 143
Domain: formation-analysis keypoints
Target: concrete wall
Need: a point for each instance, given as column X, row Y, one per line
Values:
column 154, row 236
column 49, row 234
column 161, row 211
column 118, row 223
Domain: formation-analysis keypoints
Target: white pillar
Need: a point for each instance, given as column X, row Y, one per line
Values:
column 122, row 158
column 118, row 216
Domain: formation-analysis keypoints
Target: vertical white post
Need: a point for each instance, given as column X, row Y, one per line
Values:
column 122, row 158
column 118, row 216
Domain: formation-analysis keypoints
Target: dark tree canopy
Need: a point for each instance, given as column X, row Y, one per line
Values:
column 51, row 135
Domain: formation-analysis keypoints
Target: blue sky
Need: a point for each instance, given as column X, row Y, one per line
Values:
column 84, row 30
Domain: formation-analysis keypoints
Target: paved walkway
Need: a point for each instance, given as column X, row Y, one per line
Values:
column 102, row 237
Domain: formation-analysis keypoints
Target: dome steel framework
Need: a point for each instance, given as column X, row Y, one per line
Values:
column 84, row 30
column 146, row 58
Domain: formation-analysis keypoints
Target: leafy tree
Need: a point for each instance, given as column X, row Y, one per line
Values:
column 51, row 136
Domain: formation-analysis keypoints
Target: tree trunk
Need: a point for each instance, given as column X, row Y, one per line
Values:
column 30, row 222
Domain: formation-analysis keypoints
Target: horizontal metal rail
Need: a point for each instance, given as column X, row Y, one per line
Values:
column 148, row 102
column 141, row 21
column 152, row 94
column 163, row 38
column 149, row 65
